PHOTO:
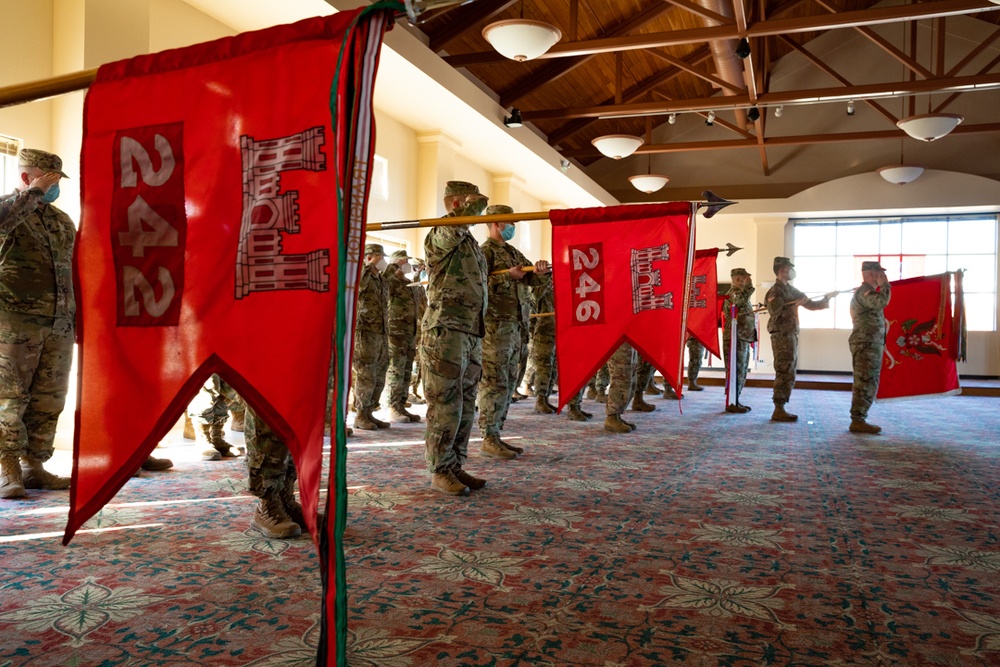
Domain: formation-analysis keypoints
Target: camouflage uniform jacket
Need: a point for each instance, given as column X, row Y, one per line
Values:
column 456, row 292
column 867, row 308
column 36, row 254
column 404, row 304
column 373, row 296
column 508, row 301
column 784, row 318
column 746, row 322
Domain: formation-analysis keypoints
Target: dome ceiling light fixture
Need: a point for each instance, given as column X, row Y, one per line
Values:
column 648, row 182
column 930, row 127
column 617, row 146
column 521, row 39
column 901, row 174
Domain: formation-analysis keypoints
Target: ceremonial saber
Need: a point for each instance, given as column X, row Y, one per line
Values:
column 712, row 205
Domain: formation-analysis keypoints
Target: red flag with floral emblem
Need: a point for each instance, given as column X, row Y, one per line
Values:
column 620, row 275
column 920, row 348
column 222, row 219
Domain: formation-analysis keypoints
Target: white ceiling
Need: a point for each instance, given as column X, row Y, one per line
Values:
column 416, row 87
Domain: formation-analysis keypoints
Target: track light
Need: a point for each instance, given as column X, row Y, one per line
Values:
column 778, row 110
column 743, row 49
column 753, row 114
column 514, row 120
column 850, row 107
column 711, row 118
column 672, row 118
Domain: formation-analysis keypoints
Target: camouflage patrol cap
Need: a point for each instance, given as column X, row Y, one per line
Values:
column 872, row 266
column 397, row 255
column 374, row 249
column 499, row 209
column 782, row 261
column 739, row 272
column 49, row 162
column 455, row 188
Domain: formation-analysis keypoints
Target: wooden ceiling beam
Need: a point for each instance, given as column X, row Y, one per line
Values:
column 851, row 19
column 692, row 59
column 697, row 9
column 808, row 55
column 680, row 64
column 976, row 50
column 554, row 70
column 462, row 19
column 807, row 96
column 772, row 142
column 951, row 98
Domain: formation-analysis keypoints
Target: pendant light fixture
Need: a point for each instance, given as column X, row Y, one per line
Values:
column 648, row 182
column 617, row 146
column 521, row 39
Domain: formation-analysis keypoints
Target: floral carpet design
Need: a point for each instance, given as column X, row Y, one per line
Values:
column 702, row 538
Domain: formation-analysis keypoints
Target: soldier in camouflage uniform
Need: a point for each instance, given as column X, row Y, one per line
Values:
column 420, row 294
column 451, row 349
column 524, row 374
column 696, row 352
column 543, row 343
column 403, row 326
column 643, row 376
column 37, row 310
column 868, row 342
column 599, row 383
column 209, row 412
column 371, row 341
column 506, row 320
column 746, row 332
column 621, row 367
column 271, row 478
column 783, row 303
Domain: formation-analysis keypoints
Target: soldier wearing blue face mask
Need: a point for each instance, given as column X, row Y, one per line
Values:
column 505, row 320
column 37, row 311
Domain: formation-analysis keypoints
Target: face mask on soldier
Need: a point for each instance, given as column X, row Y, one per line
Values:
column 508, row 232
column 51, row 194
column 791, row 274
column 381, row 264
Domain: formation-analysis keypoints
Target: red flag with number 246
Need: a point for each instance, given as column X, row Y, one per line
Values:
column 620, row 275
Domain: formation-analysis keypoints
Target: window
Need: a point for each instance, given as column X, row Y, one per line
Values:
column 8, row 164
column 828, row 256
column 380, row 178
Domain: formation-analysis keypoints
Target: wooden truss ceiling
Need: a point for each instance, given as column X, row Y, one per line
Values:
column 622, row 60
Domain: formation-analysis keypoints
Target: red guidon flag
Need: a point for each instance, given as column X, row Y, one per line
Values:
column 703, row 306
column 224, row 191
column 920, row 345
column 619, row 275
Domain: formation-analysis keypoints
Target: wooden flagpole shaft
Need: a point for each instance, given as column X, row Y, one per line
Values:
column 541, row 315
column 456, row 220
column 500, row 272
column 37, row 90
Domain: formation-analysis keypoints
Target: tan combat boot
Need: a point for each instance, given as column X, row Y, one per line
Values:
column 602, row 395
column 188, row 428
column 272, row 520
column 591, row 393
column 493, row 447
column 513, row 448
column 862, row 426
column 639, row 403
column 543, row 407
column 227, row 450
column 694, row 386
column 473, row 483
column 378, row 422
column 652, row 389
column 399, row 415
column 615, row 424
column 34, row 476
column 737, row 409
column 238, row 421
column 11, row 478
column 365, row 422
column 576, row 414
column 779, row 414
column 154, row 464
column 669, row 393
column 447, row 482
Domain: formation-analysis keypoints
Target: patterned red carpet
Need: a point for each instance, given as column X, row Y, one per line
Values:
column 700, row 539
